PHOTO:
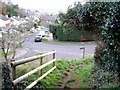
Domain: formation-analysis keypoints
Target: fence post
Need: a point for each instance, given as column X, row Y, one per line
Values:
column 83, row 48
column 13, row 70
column 41, row 62
column 53, row 58
column 14, row 76
column 83, row 52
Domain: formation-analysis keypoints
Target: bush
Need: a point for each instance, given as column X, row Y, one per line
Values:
column 6, row 79
column 106, row 17
column 98, row 55
column 67, row 33
column 103, row 79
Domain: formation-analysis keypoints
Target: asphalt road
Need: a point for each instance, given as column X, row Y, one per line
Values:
column 63, row 51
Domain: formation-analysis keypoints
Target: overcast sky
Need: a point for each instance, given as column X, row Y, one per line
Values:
column 53, row 6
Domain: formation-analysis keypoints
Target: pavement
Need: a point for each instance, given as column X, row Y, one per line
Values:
column 20, row 52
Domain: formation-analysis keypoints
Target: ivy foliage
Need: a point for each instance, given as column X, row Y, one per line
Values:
column 6, row 79
column 106, row 17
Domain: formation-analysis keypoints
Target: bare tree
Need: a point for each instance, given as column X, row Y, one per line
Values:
column 8, row 42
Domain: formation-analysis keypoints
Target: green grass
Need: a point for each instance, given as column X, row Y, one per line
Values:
column 66, row 42
column 84, row 73
column 2, row 54
column 44, row 40
column 54, row 79
column 81, row 77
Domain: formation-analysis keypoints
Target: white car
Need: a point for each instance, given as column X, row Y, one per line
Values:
column 42, row 33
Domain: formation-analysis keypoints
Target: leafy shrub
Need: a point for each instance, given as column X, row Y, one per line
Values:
column 6, row 79
column 104, row 79
column 67, row 33
column 106, row 18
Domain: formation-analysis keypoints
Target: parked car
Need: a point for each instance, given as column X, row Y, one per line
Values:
column 42, row 33
column 38, row 38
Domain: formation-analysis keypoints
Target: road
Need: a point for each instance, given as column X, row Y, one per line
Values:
column 63, row 51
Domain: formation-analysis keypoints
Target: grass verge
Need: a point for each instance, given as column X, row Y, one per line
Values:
column 82, row 74
column 67, row 42
column 2, row 54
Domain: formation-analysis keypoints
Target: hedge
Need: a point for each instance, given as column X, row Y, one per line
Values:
column 67, row 33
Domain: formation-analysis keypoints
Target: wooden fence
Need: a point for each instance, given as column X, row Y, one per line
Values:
column 14, row 64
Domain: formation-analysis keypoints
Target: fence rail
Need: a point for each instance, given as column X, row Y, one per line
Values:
column 14, row 64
